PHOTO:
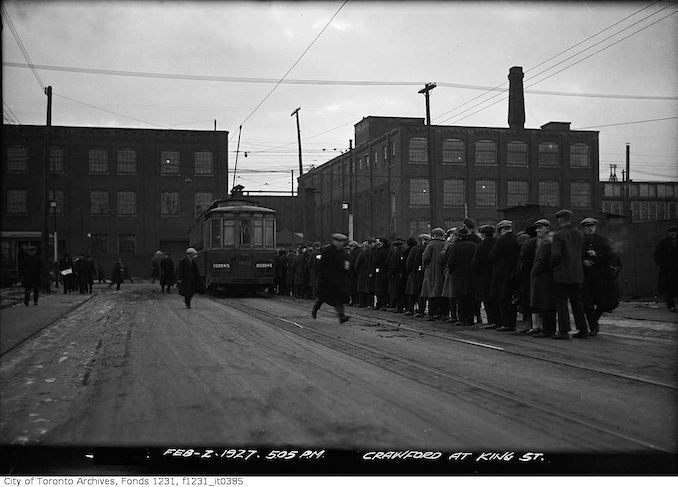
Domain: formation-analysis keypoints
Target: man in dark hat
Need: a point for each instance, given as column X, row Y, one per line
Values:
column 353, row 249
column 567, row 253
column 666, row 257
column 415, row 277
column 482, row 270
column 461, row 254
column 504, row 259
column 395, row 276
column 542, row 293
column 528, row 247
column 31, row 271
column 188, row 276
column 166, row 273
column 314, row 266
column 434, row 278
column 598, row 292
column 332, row 277
column 380, row 272
column 362, row 270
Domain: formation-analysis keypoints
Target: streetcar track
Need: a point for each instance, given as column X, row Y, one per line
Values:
column 376, row 357
column 518, row 353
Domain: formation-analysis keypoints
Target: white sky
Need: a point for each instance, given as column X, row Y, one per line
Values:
column 472, row 43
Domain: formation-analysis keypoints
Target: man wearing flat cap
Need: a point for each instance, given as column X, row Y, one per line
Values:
column 415, row 277
column 332, row 277
column 382, row 249
column 666, row 257
column 504, row 259
column 396, row 271
column 598, row 292
column 362, row 271
column 432, row 286
column 482, row 270
column 542, row 292
column 568, row 275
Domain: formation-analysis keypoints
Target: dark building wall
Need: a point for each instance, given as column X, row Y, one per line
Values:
column 646, row 200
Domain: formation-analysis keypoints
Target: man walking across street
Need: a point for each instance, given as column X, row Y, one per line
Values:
column 188, row 276
column 567, row 254
column 31, row 274
column 332, row 277
column 666, row 257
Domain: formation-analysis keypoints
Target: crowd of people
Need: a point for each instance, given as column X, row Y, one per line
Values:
column 449, row 275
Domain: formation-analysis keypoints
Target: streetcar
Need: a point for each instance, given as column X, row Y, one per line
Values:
column 235, row 240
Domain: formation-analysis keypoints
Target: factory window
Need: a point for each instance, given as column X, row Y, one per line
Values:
column 126, row 243
column 579, row 155
column 549, row 193
column 98, row 203
column 56, row 160
column 612, row 190
column 418, row 150
column 548, row 154
column 203, row 163
column 580, row 195
column 644, row 190
column 127, row 161
column 203, row 199
column 613, row 207
column 419, row 195
column 169, row 203
column 454, row 151
column 486, row 152
column 486, row 193
column 419, row 226
column 17, row 159
column 664, row 191
column 98, row 161
column 671, row 211
column 652, row 190
column 516, row 193
column 454, row 193
column 17, row 202
column 516, row 153
column 59, row 199
column 169, row 162
column 99, row 243
column 127, row 203
column 633, row 190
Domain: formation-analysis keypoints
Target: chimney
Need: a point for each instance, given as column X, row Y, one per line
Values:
column 516, row 111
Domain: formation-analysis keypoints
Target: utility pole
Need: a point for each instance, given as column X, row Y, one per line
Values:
column 432, row 189
column 301, row 173
column 627, row 185
column 351, row 192
column 45, row 228
column 296, row 112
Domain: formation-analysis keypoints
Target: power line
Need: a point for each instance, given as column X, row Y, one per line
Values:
column 13, row 118
column 108, row 111
column 626, row 123
column 22, row 48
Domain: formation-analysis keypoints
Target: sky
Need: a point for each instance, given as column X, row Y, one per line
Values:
column 598, row 65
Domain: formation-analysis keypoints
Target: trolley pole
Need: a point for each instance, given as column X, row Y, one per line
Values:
column 432, row 193
column 46, row 206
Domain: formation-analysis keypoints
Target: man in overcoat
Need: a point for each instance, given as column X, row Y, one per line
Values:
column 434, row 278
column 504, row 260
column 396, row 276
column 314, row 266
column 188, row 276
column 352, row 276
column 666, row 257
column 599, row 292
column 482, row 270
column 567, row 254
column 332, row 277
column 362, row 269
column 459, row 265
column 31, row 273
column 527, row 251
column 415, row 277
column 166, row 273
column 116, row 275
column 542, row 292
column 380, row 272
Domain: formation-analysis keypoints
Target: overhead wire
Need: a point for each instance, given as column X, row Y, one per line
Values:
column 22, row 48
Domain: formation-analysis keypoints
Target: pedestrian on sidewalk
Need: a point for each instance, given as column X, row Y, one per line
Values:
column 666, row 257
column 116, row 275
column 166, row 273
column 332, row 277
column 188, row 276
column 31, row 274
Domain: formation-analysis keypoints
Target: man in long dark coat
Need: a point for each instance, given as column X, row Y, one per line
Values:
column 504, row 259
column 188, row 276
column 362, row 269
column 66, row 264
column 482, row 270
column 289, row 271
column 396, row 297
column 380, row 272
column 528, row 248
column 332, row 277
column 166, row 273
column 352, row 276
column 434, row 278
column 542, row 293
column 116, row 275
column 314, row 267
column 476, row 239
column 31, row 273
column 666, row 257
column 415, row 277
column 598, row 292
column 82, row 270
column 299, row 269
column 567, row 254
column 461, row 254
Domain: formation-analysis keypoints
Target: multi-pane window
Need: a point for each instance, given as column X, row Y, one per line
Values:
column 580, row 194
column 56, row 160
column 17, row 158
column 613, row 207
column 579, row 155
column 516, row 153
column 169, row 162
column 516, row 193
column 454, row 151
column 203, row 199
column 644, row 190
column 665, row 191
column 548, row 154
column 99, row 243
column 127, row 161
column 486, row 152
column 17, row 201
column 127, row 203
column 126, row 243
column 169, row 203
column 418, row 150
column 98, row 161
column 203, row 163
column 58, row 198
column 612, row 190
column 486, row 193
column 419, row 194
column 98, row 203
column 454, row 193
column 419, row 226
column 549, row 193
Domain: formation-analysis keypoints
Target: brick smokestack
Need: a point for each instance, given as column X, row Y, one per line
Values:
column 516, row 110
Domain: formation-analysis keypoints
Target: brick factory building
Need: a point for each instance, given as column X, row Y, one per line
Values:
column 383, row 185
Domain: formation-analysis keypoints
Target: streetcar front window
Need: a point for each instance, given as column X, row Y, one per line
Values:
column 229, row 233
column 245, row 233
column 258, row 232
column 269, row 233
column 216, row 234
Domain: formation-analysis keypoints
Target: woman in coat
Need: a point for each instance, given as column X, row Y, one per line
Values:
column 415, row 276
column 460, row 256
column 432, row 287
column 188, row 276
column 542, row 290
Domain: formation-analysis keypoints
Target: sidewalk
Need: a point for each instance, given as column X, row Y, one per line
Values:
column 18, row 322
column 644, row 310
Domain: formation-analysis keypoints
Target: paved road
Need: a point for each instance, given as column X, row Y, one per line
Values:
column 136, row 368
